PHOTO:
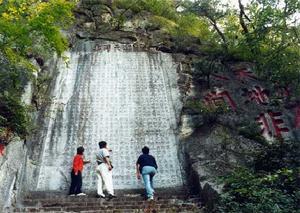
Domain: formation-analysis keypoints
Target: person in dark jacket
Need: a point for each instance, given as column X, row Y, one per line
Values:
column 146, row 167
column 76, row 174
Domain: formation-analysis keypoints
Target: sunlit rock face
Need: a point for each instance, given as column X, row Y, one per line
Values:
column 118, row 94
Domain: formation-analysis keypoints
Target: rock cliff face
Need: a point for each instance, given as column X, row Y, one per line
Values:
column 207, row 131
column 117, row 93
column 223, row 125
column 220, row 125
column 11, row 172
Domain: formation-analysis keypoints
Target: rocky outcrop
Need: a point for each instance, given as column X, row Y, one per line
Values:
column 223, row 126
column 11, row 172
column 211, row 152
column 215, row 137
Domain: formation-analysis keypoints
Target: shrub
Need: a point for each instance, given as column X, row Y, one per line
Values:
column 204, row 68
column 164, row 8
column 250, row 192
column 209, row 113
column 273, row 185
column 13, row 114
column 278, row 155
column 251, row 131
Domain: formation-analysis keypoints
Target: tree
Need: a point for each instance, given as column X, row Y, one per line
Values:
column 210, row 9
column 32, row 27
column 270, row 38
column 206, row 67
column 264, row 32
column 28, row 29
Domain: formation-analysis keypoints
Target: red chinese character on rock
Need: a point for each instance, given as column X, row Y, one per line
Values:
column 272, row 125
column 220, row 97
column 2, row 147
column 257, row 94
column 297, row 118
column 244, row 74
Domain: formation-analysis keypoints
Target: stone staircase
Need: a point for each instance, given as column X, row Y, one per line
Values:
column 166, row 201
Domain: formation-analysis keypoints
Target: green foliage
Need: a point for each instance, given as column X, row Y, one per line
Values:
column 164, row 8
column 199, row 107
column 278, row 155
column 250, row 192
column 162, row 23
column 12, row 78
column 14, row 115
column 163, row 15
column 209, row 113
column 251, row 131
column 203, row 68
column 191, row 25
column 28, row 29
column 213, row 12
column 132, row 5
column 271, row 186
column 264, row 32
column 33, row 28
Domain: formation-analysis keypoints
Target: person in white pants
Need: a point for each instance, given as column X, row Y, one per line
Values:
column 104, row 172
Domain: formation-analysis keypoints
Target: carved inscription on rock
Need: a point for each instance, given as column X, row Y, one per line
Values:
column 123, row 97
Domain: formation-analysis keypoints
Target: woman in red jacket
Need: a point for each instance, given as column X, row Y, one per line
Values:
column 76, row 174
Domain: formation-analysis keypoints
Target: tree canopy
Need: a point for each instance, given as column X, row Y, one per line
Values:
column 29, row 29
column 32, row 27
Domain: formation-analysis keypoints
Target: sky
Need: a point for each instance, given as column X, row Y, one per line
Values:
column 235, row 3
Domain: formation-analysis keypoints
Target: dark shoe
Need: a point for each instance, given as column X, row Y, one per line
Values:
column 100, row 196
column 110, row 196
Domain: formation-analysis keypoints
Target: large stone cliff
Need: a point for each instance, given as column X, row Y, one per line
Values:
column 209, row 124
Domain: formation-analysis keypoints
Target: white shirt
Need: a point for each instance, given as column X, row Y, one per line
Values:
column 102, row 154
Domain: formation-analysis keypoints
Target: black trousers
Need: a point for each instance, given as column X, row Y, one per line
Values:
column 76, row 183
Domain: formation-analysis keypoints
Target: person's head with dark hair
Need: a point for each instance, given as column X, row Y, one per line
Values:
column 80, row 150
column 102, row 144
column 145, row 150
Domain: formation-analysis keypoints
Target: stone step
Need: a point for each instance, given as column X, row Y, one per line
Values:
column 101, row 202
column 119, row 199
column 168, row 210
column 131, row 211
column 135, row 207
column 165, row 192
column 156, row 208
column 93, row 198
column 168, row 201
column 163, row 204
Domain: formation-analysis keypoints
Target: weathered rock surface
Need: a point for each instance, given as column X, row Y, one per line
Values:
column 210, row 145
column 11, row 171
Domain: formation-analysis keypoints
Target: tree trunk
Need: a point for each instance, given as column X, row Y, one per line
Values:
column 242, row 22
column 214, row 23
